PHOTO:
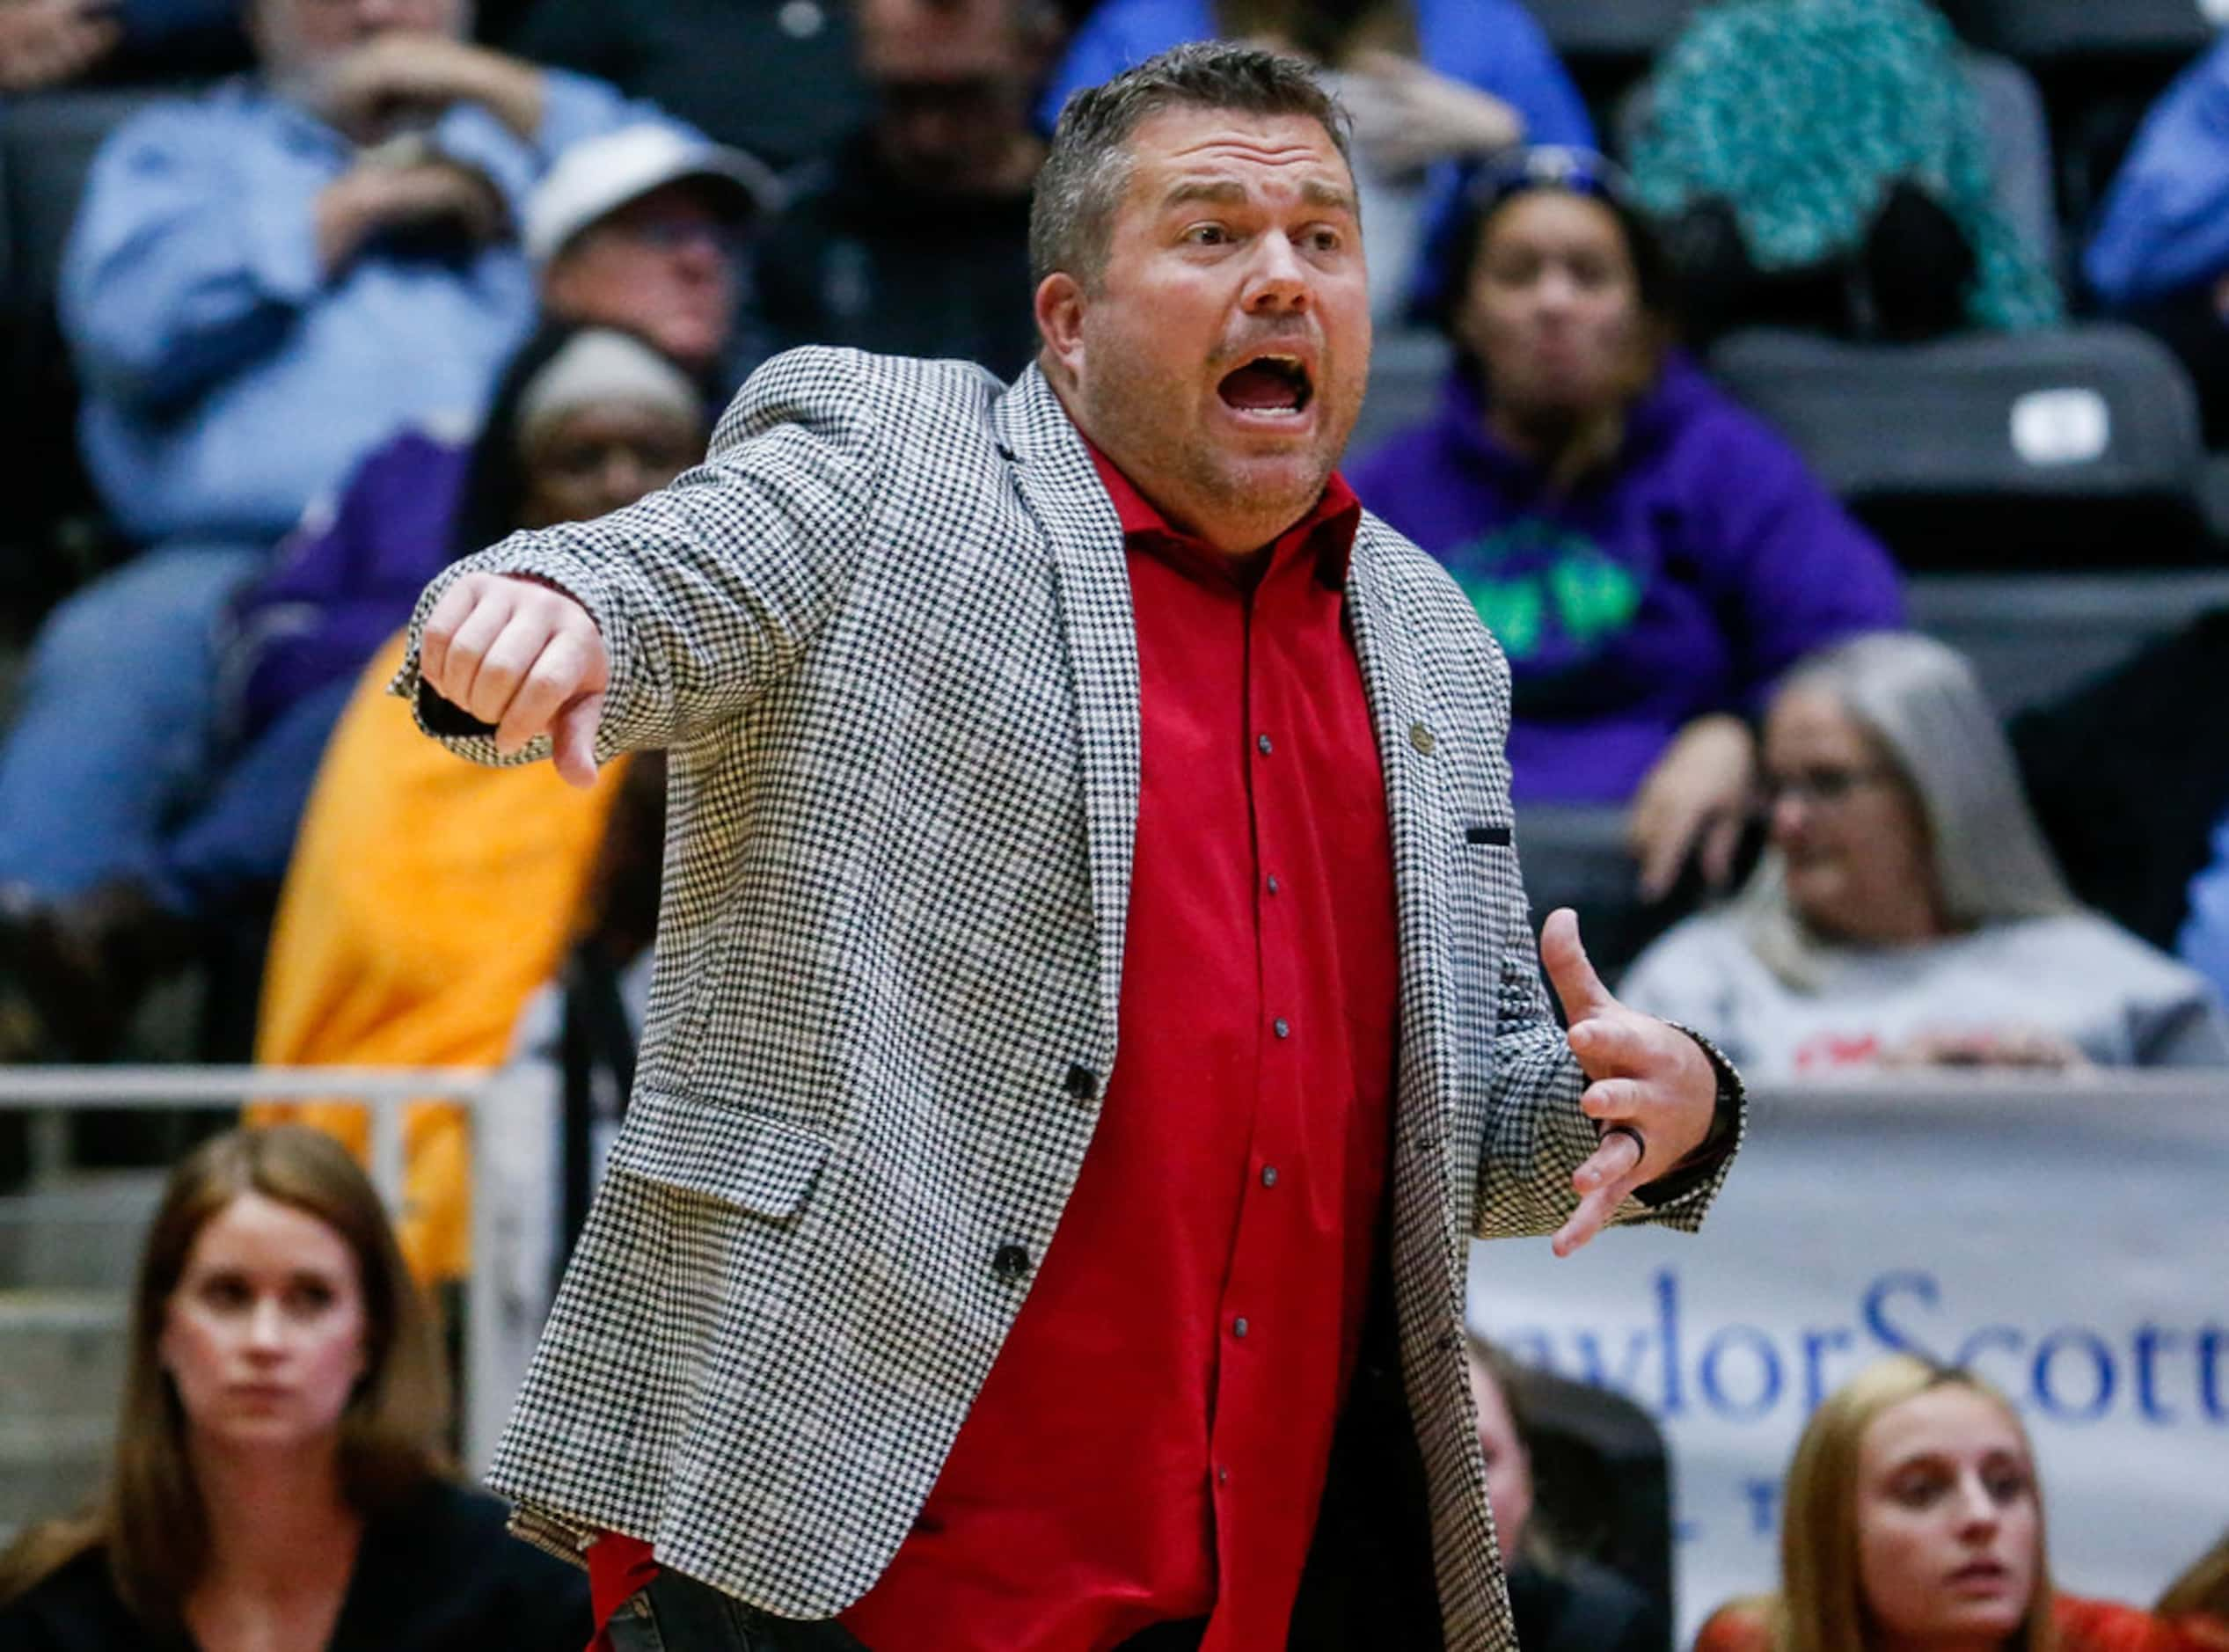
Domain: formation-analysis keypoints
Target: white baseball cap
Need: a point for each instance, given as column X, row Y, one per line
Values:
column 597, row 176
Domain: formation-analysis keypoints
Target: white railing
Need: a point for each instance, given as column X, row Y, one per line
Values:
column 496, row 1342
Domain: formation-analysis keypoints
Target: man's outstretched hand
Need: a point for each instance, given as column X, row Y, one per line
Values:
column 1641, row 1073
column 525, row 657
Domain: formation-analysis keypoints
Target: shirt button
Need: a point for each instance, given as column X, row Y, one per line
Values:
column 1262, row 740
column 1238, row 1325
column 1273, row 883
column 1283, row 1031
column 1223, row 1477
column 1011, row 1262
column 1268, row 1175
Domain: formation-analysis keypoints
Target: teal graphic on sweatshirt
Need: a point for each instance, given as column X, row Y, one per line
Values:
column 1545, row 591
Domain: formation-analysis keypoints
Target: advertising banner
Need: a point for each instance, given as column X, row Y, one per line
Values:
column 2070, row 1242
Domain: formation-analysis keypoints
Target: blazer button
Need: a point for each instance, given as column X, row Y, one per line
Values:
column 1083, row 1083
column 1420, row 737
column 1012, row 1262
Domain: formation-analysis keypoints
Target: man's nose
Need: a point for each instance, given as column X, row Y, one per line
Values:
column 1279, row 282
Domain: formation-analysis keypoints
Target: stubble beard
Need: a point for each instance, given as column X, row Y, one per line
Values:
column 1121, row 402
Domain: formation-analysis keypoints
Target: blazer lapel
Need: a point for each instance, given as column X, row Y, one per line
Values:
column 1063, row 491
column 1420, row 819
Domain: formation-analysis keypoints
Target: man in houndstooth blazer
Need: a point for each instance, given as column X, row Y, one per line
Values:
column 887, row 635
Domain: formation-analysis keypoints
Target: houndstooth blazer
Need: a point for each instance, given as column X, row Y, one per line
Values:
column 885, row 633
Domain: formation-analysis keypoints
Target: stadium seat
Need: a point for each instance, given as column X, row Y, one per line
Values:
column 2102, row 64
column 2054, row 31
column 1606, row 45
column 2019, row 151
column 2071, row 449
column 1406, row 370
column 2033, row 638
column 1602, row 1478
column 1614, row 29
column 47, row 147
column 1575, row 856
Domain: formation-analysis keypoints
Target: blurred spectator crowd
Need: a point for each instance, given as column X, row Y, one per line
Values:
column 1710, row 338
column 1825, row 402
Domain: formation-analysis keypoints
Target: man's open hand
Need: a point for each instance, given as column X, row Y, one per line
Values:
column 1642, row 1073
column 525, row 657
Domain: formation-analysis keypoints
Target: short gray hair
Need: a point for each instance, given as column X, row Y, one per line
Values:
column 1923, row 702
column 1071, row 216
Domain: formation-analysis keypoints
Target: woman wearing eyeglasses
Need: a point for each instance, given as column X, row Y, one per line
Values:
column 1649, row 555
column 1907, row 911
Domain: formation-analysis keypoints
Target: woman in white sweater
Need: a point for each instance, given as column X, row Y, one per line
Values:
column 1907, row 912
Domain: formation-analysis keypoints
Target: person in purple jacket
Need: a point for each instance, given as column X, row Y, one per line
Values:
column 1650, row 556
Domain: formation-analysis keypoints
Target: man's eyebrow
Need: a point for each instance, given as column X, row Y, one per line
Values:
column 1320, row 194
column 1223, row 192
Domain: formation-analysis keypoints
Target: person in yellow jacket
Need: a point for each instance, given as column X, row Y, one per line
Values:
column 428, row 898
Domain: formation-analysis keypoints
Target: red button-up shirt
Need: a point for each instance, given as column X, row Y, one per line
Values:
column 1152, row 1442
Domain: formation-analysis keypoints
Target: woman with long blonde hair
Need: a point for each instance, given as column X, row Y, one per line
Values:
column 1912, row 1521
column 280, row 1481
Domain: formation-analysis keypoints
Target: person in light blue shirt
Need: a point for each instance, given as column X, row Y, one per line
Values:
column 2204, row 941
column 1436, row 87
column 2159, row 255
column 264, row 281
column 263, row 284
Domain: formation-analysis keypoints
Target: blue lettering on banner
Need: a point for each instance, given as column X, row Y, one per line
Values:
column 1764, row 1506
column 2046, row 1386
column 1767, row 1373
column 1893, row 1341
column 2156, row 1376
column 2150, row 1339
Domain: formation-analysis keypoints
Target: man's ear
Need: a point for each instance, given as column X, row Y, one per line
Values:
column 1060, row 322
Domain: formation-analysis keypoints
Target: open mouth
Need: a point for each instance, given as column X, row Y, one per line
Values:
column 1270, row 385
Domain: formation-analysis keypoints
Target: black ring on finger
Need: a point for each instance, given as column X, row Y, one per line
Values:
column 1639, row 1142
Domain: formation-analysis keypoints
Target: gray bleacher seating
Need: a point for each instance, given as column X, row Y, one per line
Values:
column 2033, row 638
column 1405, row 368
column 2019, row 151
column 46, row 146
column 1575, row 856
column 1602, row 1478
column 1623, row 30
column 2077, row 447
column 2050, row 31
column 2103, row 64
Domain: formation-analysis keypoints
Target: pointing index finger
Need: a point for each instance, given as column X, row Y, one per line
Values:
column 1578, row 988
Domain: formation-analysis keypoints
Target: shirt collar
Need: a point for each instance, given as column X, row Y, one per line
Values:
column 1327, row 531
